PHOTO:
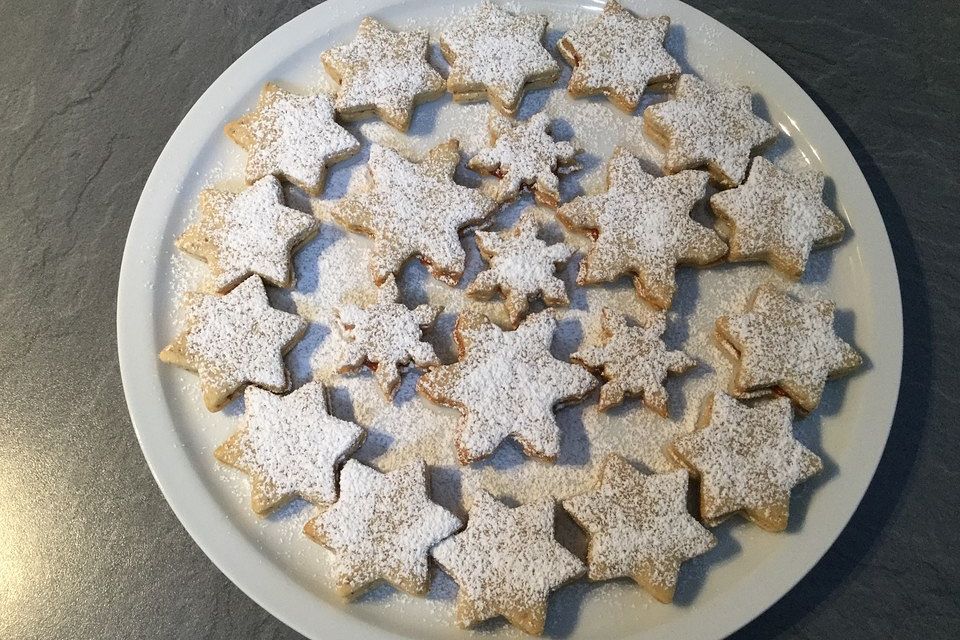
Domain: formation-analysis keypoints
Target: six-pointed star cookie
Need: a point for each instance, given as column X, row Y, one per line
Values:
column 506, row 383
column 290, row 446
column 383, row 71
column 787, row 344
column 708, row 125
column 633, row 360
column 382, row 528
column 414, row 208
column 525, row 154
column 251, row 232
column 386, row 335
column 777, row 216
column 521, row 267
column 642, row 226
column 618, row 55
column 497, row 56
column 506, row 563
column 233, row 340
column 747, row 460
column 293, row 137
column 639, row 527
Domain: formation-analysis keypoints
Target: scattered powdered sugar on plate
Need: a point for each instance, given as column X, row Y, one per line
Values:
column 331, row 270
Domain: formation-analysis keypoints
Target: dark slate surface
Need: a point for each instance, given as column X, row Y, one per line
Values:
column 89, row 93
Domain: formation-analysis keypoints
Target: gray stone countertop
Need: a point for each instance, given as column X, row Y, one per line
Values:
column 89, row 93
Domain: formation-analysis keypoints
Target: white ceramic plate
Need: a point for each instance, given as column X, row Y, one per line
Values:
column 286, row 574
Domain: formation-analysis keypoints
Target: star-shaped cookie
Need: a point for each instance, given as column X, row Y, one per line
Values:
column 521, row 267
column 639, row 527
column 506, row 563
column 414, row 208
column 506, row 384
column 496, row 55
column 524, row 154
column 777, row 216
column 384, row 72
column 747, row 460
column 382, row 528
column 708, row 125
column 642, row 226
column 246, row 233
column 293, row 137
column 290, row 446
column 386, row 335
column 618, row 55
column 233, row 340
column 787, row 344
column 633, row 360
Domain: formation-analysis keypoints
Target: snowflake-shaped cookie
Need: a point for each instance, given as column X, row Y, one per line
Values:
column 525, row 154
column 708, row 125
column 633, row 360
column 386, row 335
column 777, row 216
column 496, row 55
column 246, row 233
column 233, row 340
column 747, row 460
column 787, row 344
column 506, row 384
column 382, row 528
column 414, row 208
column 293, row 137
column 384, row 72
column 618, row 55
column 639, row 527
column 290, row 446
column 642, row 226
column 506, row 563
column 521, row 267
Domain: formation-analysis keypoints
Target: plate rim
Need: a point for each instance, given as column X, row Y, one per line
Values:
column 226, row 545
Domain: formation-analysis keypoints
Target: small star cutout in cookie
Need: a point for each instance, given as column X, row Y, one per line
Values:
column 246, row 233
column 414, row 208
column 290, row 446
column 506, row 563
column 747, row 460
column 633, row 360
column 293, row 137
column 778, row 217
column 787, row 344
column 496, row 55
column 708, row 125
column 382, row 528
column 233, row 340
column 618, row 55
column 642, row 226
column 384, row 72
column 524, row 154
column 386, row 335
column 506, row 384
column 639, row 527
column 521, row 267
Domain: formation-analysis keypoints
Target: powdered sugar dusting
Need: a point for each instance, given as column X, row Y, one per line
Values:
column 294, row 137
column 618, row 54
column 639, row 526
column 777, row 216
column 382, row 528
column 643, row 227
column 291, row 445
column 747, row 459
column 713, row 125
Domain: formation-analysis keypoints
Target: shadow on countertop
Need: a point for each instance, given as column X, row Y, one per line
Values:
column 896, row 465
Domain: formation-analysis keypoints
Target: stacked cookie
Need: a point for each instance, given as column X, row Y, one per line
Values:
column 506, row 383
